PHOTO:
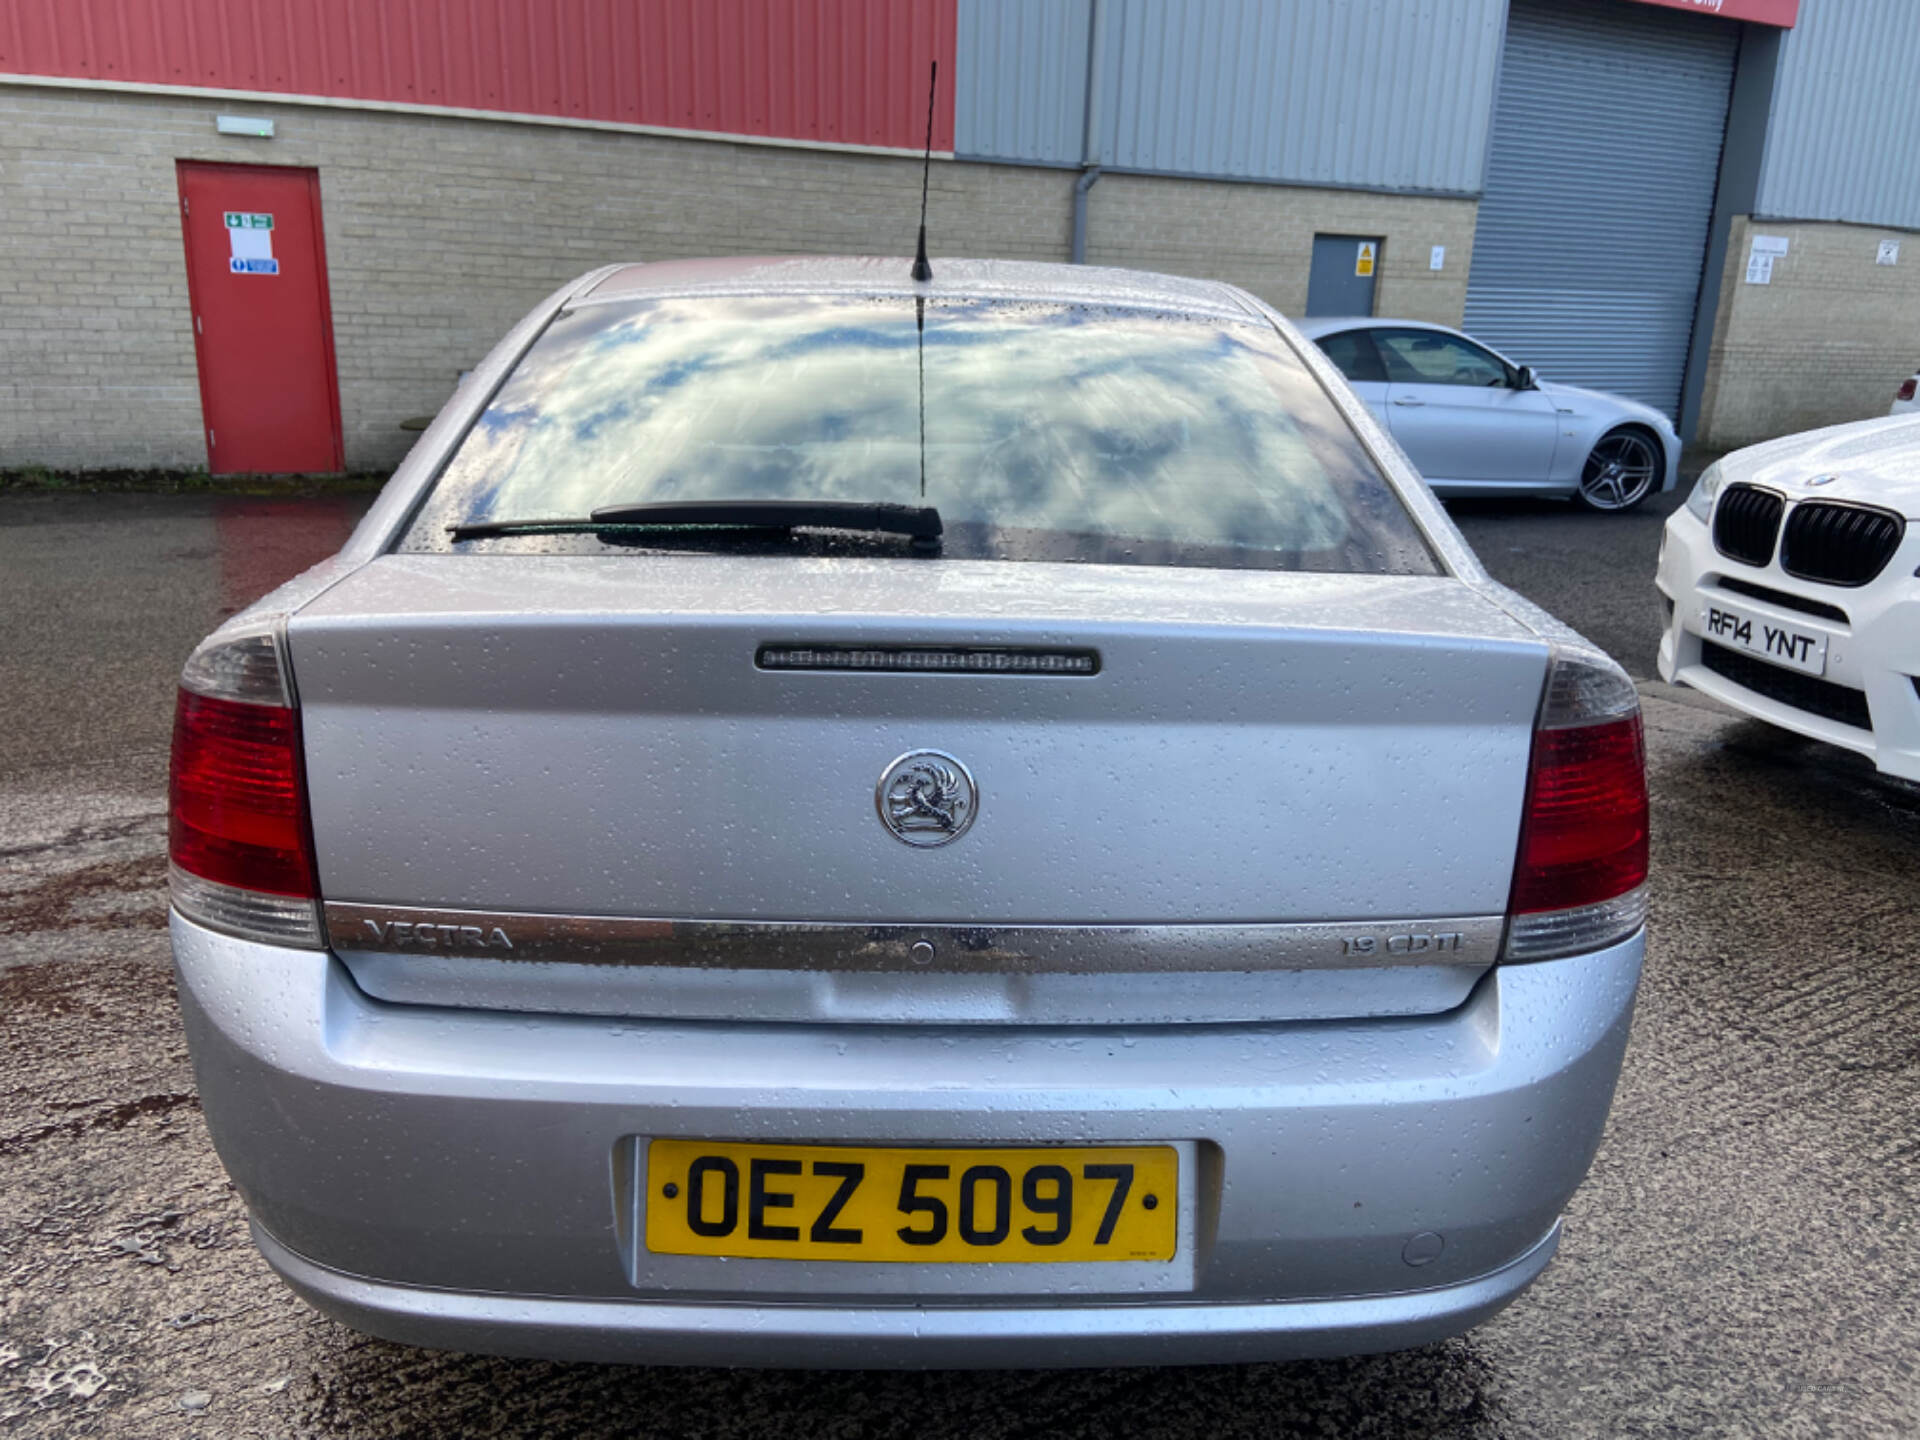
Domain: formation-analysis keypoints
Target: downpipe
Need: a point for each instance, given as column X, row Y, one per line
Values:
column 1089, row 177
column 1089, row 131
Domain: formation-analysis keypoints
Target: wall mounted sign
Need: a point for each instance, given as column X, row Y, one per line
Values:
column 250, row 236
column 1781, row 13
column 1764, row 250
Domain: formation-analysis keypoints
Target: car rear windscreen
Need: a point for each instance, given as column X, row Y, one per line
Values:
column 1038, row 430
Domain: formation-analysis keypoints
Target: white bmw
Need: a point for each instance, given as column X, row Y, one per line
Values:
column 1790, row 587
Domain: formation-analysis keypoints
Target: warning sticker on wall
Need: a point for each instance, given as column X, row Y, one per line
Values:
column 250, row 234
column 1363, row 258
column 1765, row 250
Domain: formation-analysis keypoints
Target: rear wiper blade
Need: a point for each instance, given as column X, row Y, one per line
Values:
column 921, row 523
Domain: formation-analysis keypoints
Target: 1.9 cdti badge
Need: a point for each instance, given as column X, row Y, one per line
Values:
column 926, row 798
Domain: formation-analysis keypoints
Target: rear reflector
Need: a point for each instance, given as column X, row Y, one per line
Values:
column 1579, row 881
column 238, row 832
column 250, row 914
column 1555, row 934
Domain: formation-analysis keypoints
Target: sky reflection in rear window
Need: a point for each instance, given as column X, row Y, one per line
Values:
column 1052, row 431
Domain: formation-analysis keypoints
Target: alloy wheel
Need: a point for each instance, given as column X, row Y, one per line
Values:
column 1619, row 472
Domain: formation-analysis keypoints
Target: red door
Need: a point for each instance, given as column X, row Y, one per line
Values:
column 262, row 323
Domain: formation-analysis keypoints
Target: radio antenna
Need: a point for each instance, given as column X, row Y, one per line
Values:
column 921, row 269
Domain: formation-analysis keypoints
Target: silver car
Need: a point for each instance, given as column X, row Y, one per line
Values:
column 1475, row 423
column 831, row 820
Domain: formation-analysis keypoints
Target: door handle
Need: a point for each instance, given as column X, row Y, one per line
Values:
column 1407, row 400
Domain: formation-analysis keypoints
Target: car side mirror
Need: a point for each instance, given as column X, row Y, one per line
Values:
column 1525, row 379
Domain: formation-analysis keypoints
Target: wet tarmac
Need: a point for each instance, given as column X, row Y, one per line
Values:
column 1743, row 1260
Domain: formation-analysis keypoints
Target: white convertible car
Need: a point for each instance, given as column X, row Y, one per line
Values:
column 1790, row 589
column 1476, row 423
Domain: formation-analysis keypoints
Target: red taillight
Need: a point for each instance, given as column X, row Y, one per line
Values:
column 1580, row 879
column 239, row 834
column 1905, row 392
column 239, row 810
column 1583, row 839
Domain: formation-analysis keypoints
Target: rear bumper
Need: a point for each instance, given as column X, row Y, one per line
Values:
column 467, row 1179
column 846, row 1337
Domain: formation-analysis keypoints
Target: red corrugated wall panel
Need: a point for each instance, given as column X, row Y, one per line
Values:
column 851, row 72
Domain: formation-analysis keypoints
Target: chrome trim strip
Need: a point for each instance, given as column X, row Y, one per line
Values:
column 992, row 949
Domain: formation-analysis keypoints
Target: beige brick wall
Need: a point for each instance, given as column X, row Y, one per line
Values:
column 1260, row 237
column 1825, row 341
column 441, row 232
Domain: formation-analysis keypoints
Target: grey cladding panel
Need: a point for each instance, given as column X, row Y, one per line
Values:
column 1021, row 88
column 1845, row 131
column 1375, row 93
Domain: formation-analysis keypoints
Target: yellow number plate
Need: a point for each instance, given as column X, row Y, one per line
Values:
column 818, row 1202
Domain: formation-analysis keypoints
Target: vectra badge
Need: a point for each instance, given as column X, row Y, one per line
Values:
column 926, row 798
column 429, row 932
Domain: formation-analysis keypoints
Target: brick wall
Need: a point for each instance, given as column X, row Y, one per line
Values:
column 1827, row 340
column 441, row 232
column 1260, row 237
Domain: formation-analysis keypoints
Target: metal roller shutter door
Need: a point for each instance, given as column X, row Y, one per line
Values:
column 1593, row 229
